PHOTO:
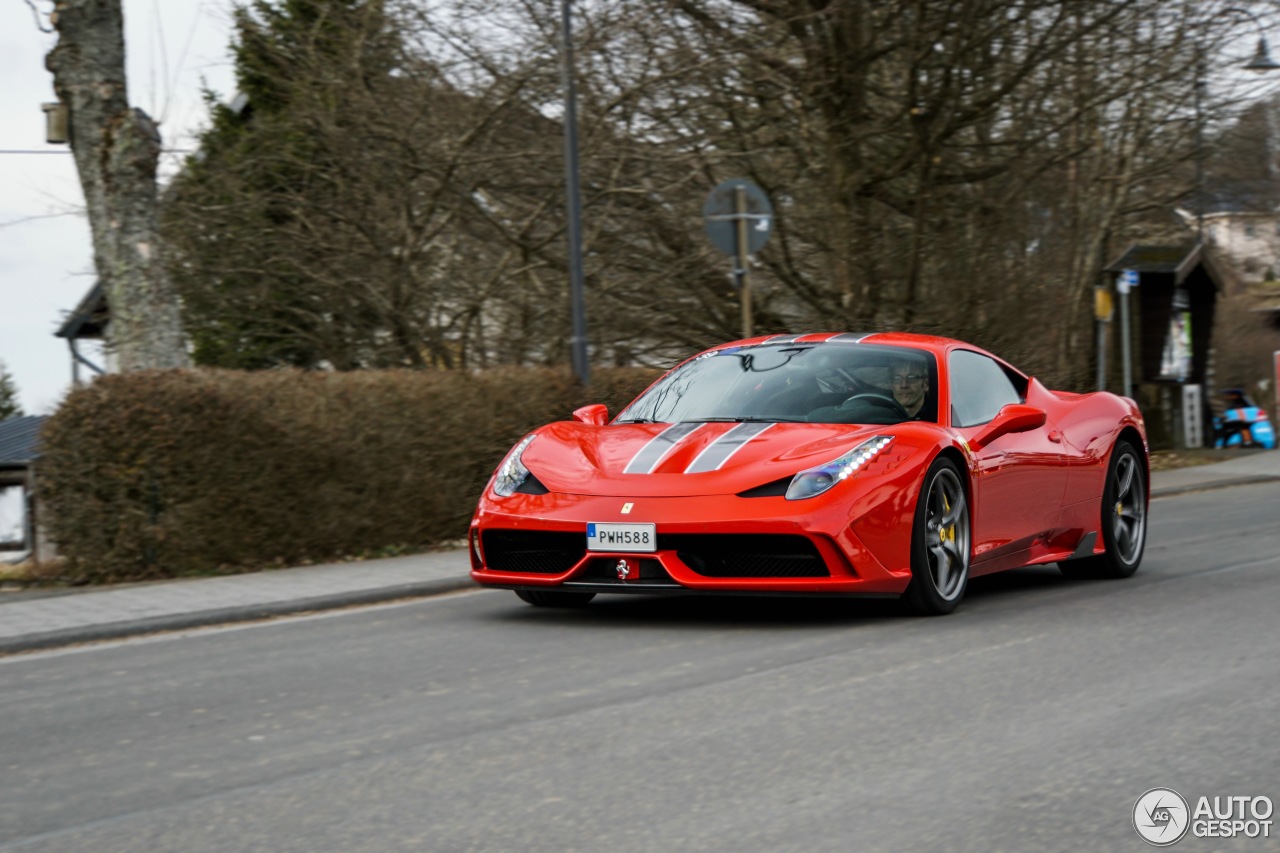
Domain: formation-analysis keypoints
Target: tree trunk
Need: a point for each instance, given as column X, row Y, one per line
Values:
column 116, row 150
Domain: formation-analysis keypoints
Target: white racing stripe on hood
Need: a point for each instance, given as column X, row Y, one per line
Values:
column 659, row 446
column 714, row 455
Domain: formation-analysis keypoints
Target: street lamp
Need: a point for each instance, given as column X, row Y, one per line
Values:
column 1261, row 63
column 578, row 342
column 1262, row 60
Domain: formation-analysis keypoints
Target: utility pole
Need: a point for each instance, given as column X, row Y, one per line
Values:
column 573, row 191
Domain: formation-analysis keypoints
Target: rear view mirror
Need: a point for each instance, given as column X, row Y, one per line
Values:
column 597, row 414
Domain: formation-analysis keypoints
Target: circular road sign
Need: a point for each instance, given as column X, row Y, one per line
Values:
column 721, row 215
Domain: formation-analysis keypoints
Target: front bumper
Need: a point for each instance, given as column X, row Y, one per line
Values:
column 716, row 544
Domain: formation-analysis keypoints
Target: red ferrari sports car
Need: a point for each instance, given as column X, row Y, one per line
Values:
column 893, row 465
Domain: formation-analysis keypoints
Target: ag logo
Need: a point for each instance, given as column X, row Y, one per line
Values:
column 1161, row 817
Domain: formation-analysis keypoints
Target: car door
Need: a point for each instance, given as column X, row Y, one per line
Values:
column 1018, row 478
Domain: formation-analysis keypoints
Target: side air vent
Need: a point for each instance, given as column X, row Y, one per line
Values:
column 769, row 490
column 534, row 551
column 532, row 486
column 747, row 555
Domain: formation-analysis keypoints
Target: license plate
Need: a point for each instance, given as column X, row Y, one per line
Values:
column 619, row 536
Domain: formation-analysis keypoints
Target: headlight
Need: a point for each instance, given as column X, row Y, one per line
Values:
column 815, row 481
column 511, row 473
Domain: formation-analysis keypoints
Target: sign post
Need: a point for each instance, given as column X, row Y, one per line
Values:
column 739, row 219
column 1275, row 357
column 1103, row 311
column 740, row 239
column 1128, row 280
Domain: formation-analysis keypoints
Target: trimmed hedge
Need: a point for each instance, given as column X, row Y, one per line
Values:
column 161, row 474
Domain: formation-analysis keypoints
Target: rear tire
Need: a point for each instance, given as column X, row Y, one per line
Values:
column 553, row 598
column 1124, row 519
column 939, row 542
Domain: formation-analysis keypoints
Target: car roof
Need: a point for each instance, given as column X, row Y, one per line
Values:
column 933, row 343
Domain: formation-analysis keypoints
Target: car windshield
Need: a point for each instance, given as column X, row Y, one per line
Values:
column 807, row 383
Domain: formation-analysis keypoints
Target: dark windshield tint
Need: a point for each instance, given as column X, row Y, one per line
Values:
column 815, row 383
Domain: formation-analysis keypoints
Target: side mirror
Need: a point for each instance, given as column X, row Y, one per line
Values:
column 1014, row 417
column 597, row 414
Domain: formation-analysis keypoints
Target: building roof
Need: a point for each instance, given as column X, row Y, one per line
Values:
column 20, row 440
column 1177, row 261
column 1239, row 196
column 89, row 320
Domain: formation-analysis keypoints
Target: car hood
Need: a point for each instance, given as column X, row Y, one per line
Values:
column 683, row 459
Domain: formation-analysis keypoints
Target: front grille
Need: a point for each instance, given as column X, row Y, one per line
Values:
column 536, row 551
column 747, row 555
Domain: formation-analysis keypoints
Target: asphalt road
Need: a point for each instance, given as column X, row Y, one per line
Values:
column 1031, row 719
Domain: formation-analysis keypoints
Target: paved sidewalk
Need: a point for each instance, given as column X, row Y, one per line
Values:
column 62, row 617
column 33, row 621
column 1241, row 467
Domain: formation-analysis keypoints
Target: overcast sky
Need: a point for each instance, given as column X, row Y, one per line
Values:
column 174, row 47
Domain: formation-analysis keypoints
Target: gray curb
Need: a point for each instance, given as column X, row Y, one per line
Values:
column 227, row 615
column 1241, row 480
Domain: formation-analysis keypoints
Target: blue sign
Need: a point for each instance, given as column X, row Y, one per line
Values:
column 1128, row 280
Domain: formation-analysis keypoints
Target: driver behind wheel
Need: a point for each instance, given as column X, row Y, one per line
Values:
column 910, row 385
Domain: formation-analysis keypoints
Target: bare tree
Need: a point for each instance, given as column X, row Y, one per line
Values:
column 964, row 167
column 958, row 166
column 116, row 149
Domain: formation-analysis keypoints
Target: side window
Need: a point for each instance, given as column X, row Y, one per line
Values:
column 979, row 388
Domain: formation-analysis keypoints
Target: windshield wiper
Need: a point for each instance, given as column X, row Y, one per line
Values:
column 637, row 421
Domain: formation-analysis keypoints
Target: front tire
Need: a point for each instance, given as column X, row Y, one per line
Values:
column 939, row 542
column 1124, row 519
column 553, row 598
